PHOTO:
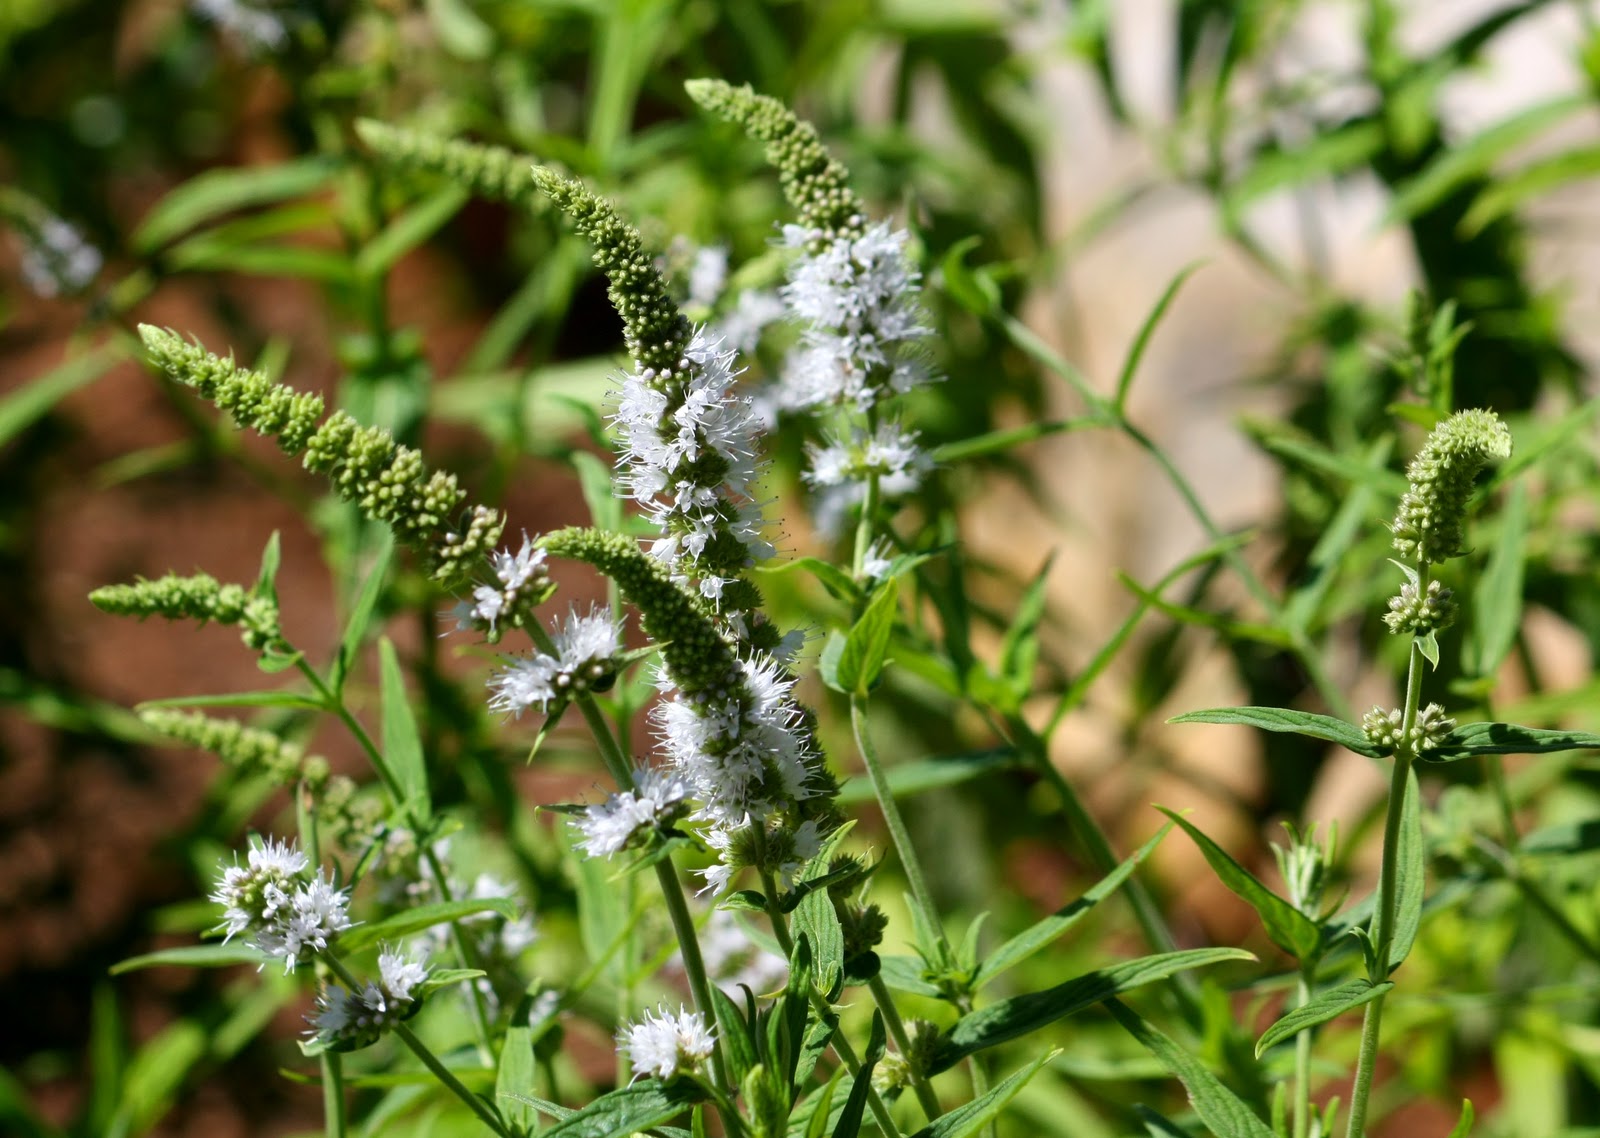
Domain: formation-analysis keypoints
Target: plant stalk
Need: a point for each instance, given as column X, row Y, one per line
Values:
column 1383, row 920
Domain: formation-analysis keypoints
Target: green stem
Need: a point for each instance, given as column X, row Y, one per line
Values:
column 897, row 826
column 333, row 1118
column 429, row 1060
column 1383, row 920
column 897, row 1030
column 1302, row 1067
column 469, row 958
column 694, row 966
column 841, row 1045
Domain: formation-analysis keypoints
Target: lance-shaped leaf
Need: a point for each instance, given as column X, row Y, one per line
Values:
column 402, row 742
column 194, row 956
column 627, row 1110
column 970, row 1117
column 423, row 917
column 1021, row 1015
column 1347, row 735
column 1220, row 1109
column 1031, row 940
column 859, row 663
column 1411, row 876
column 1288, row 928
column 1508, row 739
column 855, row 1106
column 1320, row 1009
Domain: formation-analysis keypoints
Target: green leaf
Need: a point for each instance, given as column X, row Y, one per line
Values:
column 1020, row 649
column 1411, row 874
column 1463, row 1126
column 193, row 956
column 1564, row 840
column 1031, row 940
column 626, row 1110
column 409, row 230
column 906, row 779
column 733, row 1030
column 271, row 559
column 972, row 289
column 240, row 699
column 1308, row 723
column 514, row 1075
column 1021, row 1015
column 904, row 974
column 29, row 403
column 969, row 1118
column 1497, row 599
column 402, row 743
column 1464, row 163
column 599, row 491
column 1511, row 191
column 815, row 917
column 411, row 921
column 1329, row 154
column 355, row 629
column 835, row 580
column 1008, row 438
column 861, row 660
column 1287, row 927
column 1320, row 1009
column 855, row 1106
column 221, row 191
column 1130, row 366
column 1508, row 739
column 1219, row 1108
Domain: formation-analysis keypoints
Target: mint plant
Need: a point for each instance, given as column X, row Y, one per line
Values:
column 723, row 906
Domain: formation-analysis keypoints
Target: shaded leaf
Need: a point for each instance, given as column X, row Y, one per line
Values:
column 402, row 744
column 1021, row 1015
column 970, row 1117
column 1218, row 1107
column 1288, row 928
column 193, row 956
column 1508, row 739
column 1320, row 1009
column 622, row 1112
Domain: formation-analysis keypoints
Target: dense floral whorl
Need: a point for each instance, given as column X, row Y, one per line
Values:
column 1429, row 523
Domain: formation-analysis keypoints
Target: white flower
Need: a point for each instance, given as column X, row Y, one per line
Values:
column 708, row 274
column 284, row 911
column 586, row 647
column 356, row 1019
column 58, row 260
column 666, row 1044
column 889, row 452
column 400, row 973
column 519, row 577
column 876, row 564
column 741, row 328
column 657, row 799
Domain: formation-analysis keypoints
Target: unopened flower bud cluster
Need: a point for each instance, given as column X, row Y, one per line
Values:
column 1421, row 611
column 1386, row 729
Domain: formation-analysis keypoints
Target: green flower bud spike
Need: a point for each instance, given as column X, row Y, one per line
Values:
column 252, row 751
column 1429, row 524
column 201, row 598
column 816, row 184
column 488, row 171
column 697, row 657
column 387, row 481
column 656, row 333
